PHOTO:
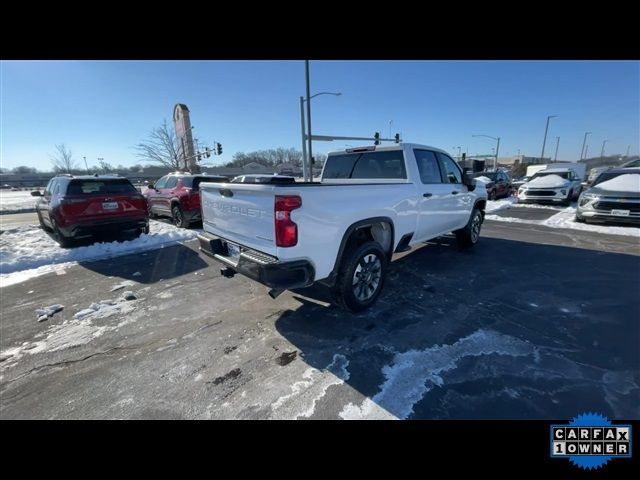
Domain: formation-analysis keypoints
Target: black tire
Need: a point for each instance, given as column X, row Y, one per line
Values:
column 580, row 219
column 468, row 236
column 63, row 241
column 178, row 217
column 567, row 202
column 41, row 221
column 145, row 230
column 492, row 195
column 151, row 214
column 365, row 264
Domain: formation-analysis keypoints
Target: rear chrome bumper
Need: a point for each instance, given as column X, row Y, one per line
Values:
column 258, row 266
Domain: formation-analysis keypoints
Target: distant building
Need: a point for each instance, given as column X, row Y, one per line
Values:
column 522, row 159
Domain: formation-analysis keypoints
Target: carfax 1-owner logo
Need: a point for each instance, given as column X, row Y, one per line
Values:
column 590, row 441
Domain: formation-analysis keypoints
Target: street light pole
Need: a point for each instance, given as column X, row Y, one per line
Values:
column 304, row 143
column 583, row 153
column 85, row 164
column 495, row 159
column 555, row 158
column 306, row 69
column 544, row 142
column 628, row 148
column 602, row 151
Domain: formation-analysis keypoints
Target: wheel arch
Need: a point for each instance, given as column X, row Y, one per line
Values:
column 367, row 229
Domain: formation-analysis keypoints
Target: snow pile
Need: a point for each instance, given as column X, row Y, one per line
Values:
column 495, row 205
column 29, row 247
column 48, row 312
column 15, row 202
column 484, row 179
column 627, row 182
column 547, row 181
column 566, row 219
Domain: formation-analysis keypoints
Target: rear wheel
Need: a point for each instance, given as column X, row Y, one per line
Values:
column 63, row 241
column 361, row 277
column 468, row 236
column 178, row 217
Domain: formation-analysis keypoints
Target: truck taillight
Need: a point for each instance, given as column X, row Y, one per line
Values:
column 286, row 230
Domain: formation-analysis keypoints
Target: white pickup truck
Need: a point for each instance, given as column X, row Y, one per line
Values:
column 342, row 231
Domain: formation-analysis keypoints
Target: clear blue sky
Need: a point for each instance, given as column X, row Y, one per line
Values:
column 103, row 108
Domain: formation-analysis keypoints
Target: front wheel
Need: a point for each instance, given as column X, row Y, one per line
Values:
column 492, row 195
column 468, row 236
column 361, row 277
column 567, row 202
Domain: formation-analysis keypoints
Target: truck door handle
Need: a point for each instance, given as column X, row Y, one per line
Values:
column 427, row 195
column 455, row 192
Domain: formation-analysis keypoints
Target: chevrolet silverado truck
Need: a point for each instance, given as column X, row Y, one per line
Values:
column 343, row 230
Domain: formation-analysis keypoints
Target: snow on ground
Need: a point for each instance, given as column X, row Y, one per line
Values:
column 628, row 182
column 413, row 373
column 565, row 218
column 85, row 325
column 16, row 202
column 28, row 251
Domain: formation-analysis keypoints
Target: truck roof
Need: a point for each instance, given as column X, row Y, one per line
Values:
column 385, row 148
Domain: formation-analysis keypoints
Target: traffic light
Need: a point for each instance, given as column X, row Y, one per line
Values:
column 199, row 157
column 218, row 149
column 376, row 138
column 397, row 138
column 207, row 152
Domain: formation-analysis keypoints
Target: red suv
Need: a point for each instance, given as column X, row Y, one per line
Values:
column 177, row 195
column 74, row 207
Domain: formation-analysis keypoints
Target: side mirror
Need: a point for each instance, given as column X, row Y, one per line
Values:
column 36, row 193
column 152, row 186
column 468, row 180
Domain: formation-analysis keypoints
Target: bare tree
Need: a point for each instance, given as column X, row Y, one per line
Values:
column 62, row 159
column 160, row 147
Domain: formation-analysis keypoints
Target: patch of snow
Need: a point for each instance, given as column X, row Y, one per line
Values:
column 565, row 218
column 627, row 182
column 124, row 283
column 496, row 205
column 412, row 374
column 136, row 274
column 78, row 331
column 47, row 312
column 484, row 179
column 547, row 181
column 16, row 202
column 26, row 248
column 305, row 394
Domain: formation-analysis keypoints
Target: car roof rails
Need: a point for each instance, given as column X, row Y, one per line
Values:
column 64, row 175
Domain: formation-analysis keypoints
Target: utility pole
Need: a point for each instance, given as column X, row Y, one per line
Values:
column 628, row 148
column 555, row 157
column 584, row 142
column 544, row 142
column 310, row 154
column 586, row 149
column 85, row 165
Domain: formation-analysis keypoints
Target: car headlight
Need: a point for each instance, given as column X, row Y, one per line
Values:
column 588, row 198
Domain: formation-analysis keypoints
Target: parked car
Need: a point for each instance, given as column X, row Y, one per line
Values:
column 342, row 231
column 74, row 207
column 177, row 196
column 498, row 186
column 551, row 185
column 516, row 184
column 594, row 172
column 613, row 197
column 262, row 178
column 631, row 164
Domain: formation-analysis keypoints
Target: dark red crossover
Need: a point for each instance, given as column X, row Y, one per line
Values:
column 177, row 195
column 74, row 207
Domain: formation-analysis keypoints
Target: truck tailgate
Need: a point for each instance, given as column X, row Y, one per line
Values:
column 241, row 213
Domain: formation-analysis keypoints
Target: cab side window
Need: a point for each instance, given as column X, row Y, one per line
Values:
column 452, row 173
column 428, row 166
